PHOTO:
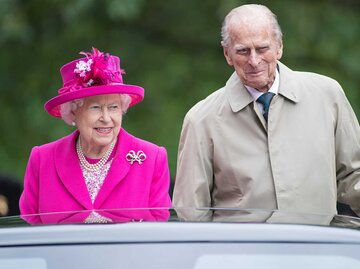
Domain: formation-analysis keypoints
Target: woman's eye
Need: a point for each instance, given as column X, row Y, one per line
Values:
column 95, row 107
column 113, row 107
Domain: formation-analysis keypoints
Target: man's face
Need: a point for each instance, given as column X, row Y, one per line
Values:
column 253, row 52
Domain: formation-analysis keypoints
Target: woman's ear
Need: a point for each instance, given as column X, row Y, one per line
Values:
column 73, row 118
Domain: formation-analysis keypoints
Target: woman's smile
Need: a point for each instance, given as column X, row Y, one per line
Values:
column 103, row 130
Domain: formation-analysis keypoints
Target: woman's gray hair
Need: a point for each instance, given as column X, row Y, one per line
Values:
column 247, row 11
column 66, row 109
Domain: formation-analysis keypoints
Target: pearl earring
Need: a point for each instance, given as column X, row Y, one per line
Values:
column 73, row 123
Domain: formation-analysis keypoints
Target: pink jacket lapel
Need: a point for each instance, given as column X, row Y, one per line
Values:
column 69, row 171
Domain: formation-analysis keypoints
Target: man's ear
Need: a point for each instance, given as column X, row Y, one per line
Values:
column 279, row 50
column 226, row 54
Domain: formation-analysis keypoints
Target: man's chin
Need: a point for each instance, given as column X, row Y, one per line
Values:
column 261, row 87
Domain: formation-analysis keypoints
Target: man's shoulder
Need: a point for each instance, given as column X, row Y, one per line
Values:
column 208, row 106
column 320, row 85
column 316, row 78
column 308, row 77
column 311, row 82
column 211, row 101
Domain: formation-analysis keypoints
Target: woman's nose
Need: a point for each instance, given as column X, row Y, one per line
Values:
column 105, row 114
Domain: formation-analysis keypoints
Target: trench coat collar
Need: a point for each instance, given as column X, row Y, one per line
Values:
column 69, row 171
column 289, row 84
column 239, row 97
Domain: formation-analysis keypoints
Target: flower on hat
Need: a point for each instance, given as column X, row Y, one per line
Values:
column 99, row 69
column 83, row 67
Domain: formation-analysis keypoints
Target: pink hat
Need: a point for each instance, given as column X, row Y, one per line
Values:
column 98, row 73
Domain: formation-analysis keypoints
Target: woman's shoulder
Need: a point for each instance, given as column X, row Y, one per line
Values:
column 141, row 144
column 54, row 144
column 135, row 148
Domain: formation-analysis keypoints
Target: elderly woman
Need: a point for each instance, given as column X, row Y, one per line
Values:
column 99, row 166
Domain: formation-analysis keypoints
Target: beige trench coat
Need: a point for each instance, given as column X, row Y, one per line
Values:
column 305, row 159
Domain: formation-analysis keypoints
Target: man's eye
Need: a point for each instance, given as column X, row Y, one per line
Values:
column 263, row 49
column 242, row 51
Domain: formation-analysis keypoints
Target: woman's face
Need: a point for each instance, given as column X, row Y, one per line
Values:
column 99, row 121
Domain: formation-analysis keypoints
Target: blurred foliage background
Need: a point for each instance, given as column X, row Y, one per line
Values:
column 170, row 47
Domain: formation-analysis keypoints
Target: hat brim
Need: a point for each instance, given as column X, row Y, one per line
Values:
column 135, row 92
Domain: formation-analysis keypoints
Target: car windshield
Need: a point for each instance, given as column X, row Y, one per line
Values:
column 209, row 215
column 214, row 238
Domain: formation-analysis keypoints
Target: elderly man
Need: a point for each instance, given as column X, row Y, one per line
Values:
column 299, row 153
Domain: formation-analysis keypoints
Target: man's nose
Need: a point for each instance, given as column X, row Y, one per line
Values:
column 254, row 59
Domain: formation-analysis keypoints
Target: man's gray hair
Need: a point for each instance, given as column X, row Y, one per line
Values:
column 245, row 11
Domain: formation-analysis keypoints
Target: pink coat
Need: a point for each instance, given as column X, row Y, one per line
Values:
column 54, row 183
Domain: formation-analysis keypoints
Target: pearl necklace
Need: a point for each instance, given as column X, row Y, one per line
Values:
column 96, row 167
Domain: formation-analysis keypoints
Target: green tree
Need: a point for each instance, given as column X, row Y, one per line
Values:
column 171, row 48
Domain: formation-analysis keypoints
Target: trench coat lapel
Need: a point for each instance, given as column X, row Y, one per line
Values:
column 69, row 171
column 119, row 167
column 238, row 96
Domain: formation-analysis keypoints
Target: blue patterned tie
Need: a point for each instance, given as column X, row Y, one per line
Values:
column 265, row 100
